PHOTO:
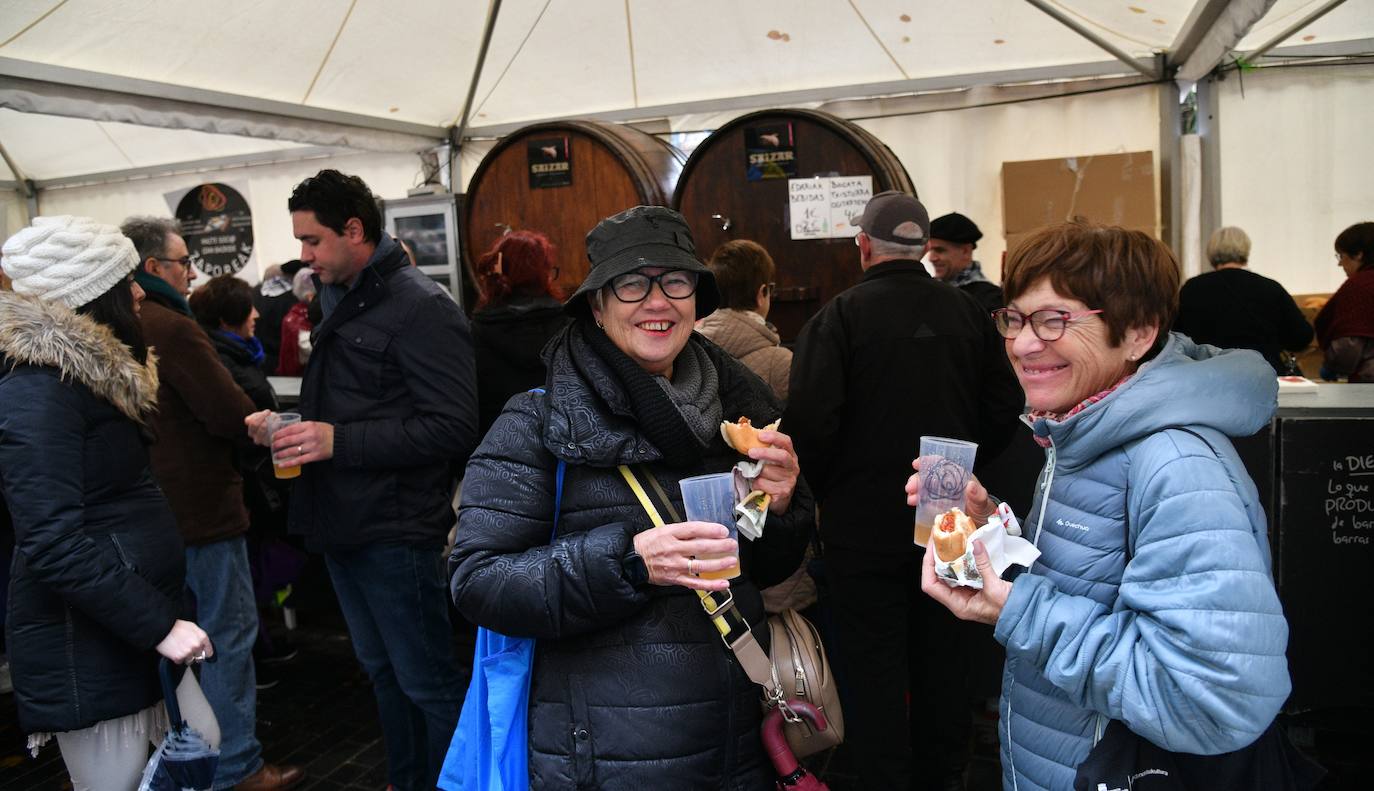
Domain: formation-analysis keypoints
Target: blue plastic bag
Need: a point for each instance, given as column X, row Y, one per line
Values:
column 490, row 747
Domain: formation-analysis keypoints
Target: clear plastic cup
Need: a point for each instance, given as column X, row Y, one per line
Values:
column 276, row 421
column 946, row 465
column 711, row 498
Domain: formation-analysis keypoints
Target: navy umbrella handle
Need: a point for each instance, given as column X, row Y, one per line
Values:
column 169, row 693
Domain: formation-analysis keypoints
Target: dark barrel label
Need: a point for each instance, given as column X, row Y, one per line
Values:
column 550, row 162
column 770, row 151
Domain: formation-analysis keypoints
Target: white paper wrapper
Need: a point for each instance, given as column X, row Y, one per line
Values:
column 1003, row 551
column 751, row 504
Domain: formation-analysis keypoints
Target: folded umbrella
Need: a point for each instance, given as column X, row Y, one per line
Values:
column 792, row 776
column 184, row 761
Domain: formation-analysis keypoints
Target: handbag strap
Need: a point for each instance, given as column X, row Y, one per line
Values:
column 729, row 621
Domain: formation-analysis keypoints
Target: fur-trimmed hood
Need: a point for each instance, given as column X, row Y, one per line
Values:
column 50, row 334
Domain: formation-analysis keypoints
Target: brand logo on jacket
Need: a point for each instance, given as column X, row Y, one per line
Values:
column 1074, row 525
column 1131, row 779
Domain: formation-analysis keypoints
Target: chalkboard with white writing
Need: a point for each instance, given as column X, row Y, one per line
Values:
column 1326, row 547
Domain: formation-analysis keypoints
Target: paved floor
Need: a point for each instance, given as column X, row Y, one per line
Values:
column 321, row 715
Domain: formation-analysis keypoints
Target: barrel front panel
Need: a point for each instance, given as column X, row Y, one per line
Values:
column 601, row 185
column 810, row 272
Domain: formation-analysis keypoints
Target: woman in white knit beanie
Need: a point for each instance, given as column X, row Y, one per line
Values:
column 96, row 594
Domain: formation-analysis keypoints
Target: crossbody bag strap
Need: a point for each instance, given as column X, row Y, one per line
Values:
column 729, row 622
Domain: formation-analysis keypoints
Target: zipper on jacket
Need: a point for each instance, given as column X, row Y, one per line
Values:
column 1039, row 526
column 123, row 556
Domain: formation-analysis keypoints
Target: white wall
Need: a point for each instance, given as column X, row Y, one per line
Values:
column 1297, row 167
column 955, row 157
column 267, row 189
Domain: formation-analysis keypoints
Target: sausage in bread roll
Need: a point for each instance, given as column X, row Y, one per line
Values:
column 742, row 435
column 951, row 533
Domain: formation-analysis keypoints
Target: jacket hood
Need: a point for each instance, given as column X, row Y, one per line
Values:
column 1233, row 391
column 49, row 334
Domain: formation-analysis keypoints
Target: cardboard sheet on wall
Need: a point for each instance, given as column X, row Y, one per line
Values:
column 1112, row 189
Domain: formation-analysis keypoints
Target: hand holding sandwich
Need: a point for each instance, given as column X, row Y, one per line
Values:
column 778, row 478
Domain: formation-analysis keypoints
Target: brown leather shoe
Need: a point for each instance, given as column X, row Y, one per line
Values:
column 271, row 777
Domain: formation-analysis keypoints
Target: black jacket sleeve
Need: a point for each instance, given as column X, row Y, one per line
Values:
column 817, row 393
column 434, row 353
column 42, row 437
column 506, row 575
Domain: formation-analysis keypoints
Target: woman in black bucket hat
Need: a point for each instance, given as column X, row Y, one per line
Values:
column 632, row 686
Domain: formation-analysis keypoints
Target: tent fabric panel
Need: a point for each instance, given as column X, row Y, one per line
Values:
column 955, row 158
column 576, row 60
column 409, row 61
column 262, row 48
column 1353, row 19
column 1292, row 206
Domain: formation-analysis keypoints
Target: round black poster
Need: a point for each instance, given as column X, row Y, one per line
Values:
column 218, row 228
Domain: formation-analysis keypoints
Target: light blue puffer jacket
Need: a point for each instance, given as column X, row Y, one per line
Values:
column 1152, row 602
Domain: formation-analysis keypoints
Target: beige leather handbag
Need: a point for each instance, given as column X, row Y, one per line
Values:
column 803, row 672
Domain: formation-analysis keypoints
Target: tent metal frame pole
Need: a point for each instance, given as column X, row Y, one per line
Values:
column 1209, row 131
column 1197, row 27
column 456, row 135
column 1105, row 68
column 273, row 157
column 1292, row 29
column 79, row 78
column 22, row 185
column 1122, row 55
column 1170, row 165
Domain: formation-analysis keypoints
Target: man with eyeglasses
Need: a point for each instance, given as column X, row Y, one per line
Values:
column 897, row 356
column 198, row 422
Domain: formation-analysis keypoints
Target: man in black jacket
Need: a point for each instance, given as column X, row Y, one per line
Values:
column 895, row 357
column 389, row 412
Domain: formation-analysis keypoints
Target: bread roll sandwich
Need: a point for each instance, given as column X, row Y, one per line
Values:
column 742, row 435
column 951, row 533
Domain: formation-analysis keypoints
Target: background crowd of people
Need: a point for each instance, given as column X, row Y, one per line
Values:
column 139, row 436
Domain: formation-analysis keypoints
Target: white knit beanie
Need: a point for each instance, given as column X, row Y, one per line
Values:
column 72, row 259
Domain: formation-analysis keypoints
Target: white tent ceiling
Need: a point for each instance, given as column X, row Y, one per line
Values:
column 383, row 74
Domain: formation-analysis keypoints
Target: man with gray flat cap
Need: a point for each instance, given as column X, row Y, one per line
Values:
column 897, row 356
column 953, row 238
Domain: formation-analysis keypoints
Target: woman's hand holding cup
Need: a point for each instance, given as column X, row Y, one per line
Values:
column 978, row 504
column 675, row 554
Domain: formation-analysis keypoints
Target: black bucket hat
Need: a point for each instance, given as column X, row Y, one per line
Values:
column 639, row 237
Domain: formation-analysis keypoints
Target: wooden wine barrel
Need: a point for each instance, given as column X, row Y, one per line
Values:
column 721, row 203
column 609, row 169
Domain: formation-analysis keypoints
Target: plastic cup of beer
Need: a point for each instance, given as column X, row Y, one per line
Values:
column 946, row 465
column 282, row 468
column 711, row 498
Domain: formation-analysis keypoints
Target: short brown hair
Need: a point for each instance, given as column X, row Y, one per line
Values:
column 741, row 268
column 1357, row 239
column 224, row 300
column 1130, row 276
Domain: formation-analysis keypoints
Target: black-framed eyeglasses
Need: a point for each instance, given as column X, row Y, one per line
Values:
column 770, row 289
column 184, row 260
column 1048, row 325
column 635, row 286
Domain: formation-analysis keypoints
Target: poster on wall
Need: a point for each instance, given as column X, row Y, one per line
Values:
column 824, row 208
column 218, row 228
column 770, row 151
column 550, row 161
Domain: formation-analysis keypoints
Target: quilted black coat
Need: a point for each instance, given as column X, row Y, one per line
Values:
column 632, row 687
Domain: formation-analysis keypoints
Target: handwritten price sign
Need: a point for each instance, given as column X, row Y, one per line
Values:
column 821, row 208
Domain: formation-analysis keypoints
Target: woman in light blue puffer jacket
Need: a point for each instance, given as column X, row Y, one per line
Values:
column 1152, row 602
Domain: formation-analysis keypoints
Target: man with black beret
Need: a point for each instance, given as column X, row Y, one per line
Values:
column 953, row 239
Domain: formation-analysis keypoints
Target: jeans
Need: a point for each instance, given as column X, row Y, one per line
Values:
column 217, row 573
column 394, row 599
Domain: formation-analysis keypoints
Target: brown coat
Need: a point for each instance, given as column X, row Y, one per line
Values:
column 199, row 418
column 744, row 335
